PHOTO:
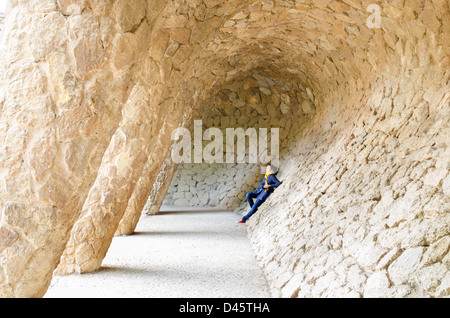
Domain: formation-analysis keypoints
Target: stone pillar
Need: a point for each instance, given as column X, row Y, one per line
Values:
column 151, row 185
column 59, row 102
column 160, row 189
column 122, row 165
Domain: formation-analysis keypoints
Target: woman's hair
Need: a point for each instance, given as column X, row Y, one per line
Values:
column 274, row 168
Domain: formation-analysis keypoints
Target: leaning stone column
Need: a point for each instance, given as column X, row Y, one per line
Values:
column 122, row 165
column 55, row 124
column 154, row 175
column 160, row 189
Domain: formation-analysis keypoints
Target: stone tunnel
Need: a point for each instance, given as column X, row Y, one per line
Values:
column 91, row 91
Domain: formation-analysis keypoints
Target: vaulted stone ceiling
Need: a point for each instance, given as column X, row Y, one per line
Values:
column 90, row 92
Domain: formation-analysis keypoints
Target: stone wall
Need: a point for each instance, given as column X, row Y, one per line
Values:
column 2, row 20
column 364, row 207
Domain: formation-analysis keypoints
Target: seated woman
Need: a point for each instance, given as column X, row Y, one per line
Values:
column 266, row 188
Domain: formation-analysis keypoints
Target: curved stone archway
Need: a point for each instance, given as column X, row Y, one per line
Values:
column 263, row 100
column 90, row 92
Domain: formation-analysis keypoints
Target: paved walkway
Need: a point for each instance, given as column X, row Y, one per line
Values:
column 174, row 255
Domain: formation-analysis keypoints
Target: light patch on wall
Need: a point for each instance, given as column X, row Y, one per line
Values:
column 3, row 4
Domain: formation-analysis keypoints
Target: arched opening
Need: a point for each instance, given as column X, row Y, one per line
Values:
column 262, row 100
column 88, row 109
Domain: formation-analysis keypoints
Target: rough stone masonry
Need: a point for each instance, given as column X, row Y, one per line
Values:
column 90, row 92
